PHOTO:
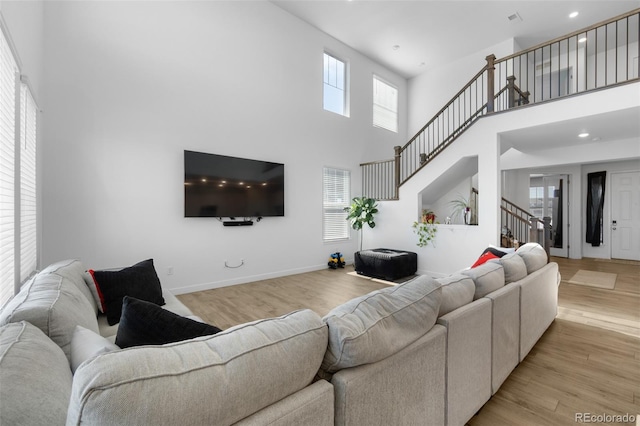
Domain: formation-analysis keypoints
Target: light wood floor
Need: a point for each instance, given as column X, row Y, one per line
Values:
column 588, row 361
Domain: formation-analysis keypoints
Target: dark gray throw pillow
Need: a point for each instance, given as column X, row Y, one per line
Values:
column 139, row 281
column 144, row 323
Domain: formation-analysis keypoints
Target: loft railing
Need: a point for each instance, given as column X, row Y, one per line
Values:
column 602, row 55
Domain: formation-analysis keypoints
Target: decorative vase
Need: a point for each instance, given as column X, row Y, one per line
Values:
column 467, row 216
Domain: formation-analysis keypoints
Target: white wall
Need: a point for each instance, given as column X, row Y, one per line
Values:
column 24, row 21
column 515, row 187
column 442, row 207
column 130, row 85
column 430, row 91
column 456, row 246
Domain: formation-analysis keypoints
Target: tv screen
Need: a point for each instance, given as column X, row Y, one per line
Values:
column 221, row 186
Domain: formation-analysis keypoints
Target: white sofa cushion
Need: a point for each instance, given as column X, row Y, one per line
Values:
column 35, row 379
column 486, row 277
column 514, row 267
column 55, row 305
column 457, row 290
column 211, row 380
column 73, row 270
column 533, row 255
column 86, row 344
column 372, row 327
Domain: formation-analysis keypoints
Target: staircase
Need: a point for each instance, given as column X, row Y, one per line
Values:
column 520, row 227
column 601, row 56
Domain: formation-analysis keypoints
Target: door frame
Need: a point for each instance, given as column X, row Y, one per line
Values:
column 610, row 217
column 566, row 246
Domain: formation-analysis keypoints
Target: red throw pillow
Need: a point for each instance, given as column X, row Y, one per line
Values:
column 484, row 257
column 488, row 254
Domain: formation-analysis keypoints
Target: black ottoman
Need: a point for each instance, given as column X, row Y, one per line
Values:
column 386, row 264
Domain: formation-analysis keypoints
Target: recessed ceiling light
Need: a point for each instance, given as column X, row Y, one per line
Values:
column 573, row 14
column 583, row 135
column 582, row 39
column 396, row 47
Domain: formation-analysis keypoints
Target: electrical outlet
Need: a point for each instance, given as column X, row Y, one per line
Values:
column 170, row 270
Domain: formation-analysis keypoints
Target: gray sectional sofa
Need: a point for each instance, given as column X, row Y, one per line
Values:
column 426, row 352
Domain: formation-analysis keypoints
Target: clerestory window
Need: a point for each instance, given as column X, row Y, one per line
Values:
column 385, row 105
column 335, row 85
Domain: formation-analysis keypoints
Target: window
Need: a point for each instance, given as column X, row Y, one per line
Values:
column 335, row 83
column 28, row 247
column 8, row 73
column 536, row 201
column 336, row 186
column 385, row 105
column 18, row 113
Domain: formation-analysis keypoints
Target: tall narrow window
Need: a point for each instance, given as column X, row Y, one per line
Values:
column 18, row 228
column 28, row 228
column 335, row 85
column 336, row 189
column 385, row 105
column 8, row 74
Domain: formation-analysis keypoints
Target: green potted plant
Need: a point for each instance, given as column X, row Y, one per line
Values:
column 461, row 208
column 361, row 212
column 426, row 232
column 428, row 216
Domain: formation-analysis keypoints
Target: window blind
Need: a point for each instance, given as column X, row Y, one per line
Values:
column 28, row 224
column 385, row 105
column 8, row 73
column 336, row 190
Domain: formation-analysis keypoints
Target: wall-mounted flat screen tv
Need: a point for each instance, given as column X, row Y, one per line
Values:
column 221, row 186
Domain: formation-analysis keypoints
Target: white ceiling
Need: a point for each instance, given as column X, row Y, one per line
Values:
column 602, row 128
column 431, row 32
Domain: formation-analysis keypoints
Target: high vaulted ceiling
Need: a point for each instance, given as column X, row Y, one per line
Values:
column 411, row 37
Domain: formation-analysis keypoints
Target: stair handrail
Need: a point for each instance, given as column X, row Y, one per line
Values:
column 409, row 159
column 411, row 164
column 522, row 212
column 444, row 108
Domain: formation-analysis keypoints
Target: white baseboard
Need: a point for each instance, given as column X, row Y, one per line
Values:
column 247, row 279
